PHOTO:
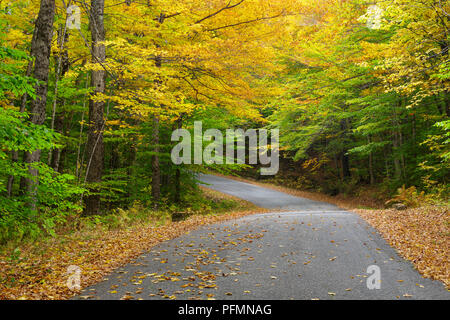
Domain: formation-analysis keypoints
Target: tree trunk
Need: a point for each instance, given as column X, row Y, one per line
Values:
column 114, row 161
column 397, row 143
column 371, row 175
column 80, row 160
column 10, row 183
column 62, row 66
column 345, row 165
column 177, row 185
column 40, row 48
column 177, row 170
column 345, row 162
column 156, row 171
column 131, row 159
column 95, row 148
column 397, row 167
column 55, row 154
column 15, row 153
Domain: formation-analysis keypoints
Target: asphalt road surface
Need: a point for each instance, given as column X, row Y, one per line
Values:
column 308, row 250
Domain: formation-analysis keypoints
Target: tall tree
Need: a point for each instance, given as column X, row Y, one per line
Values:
column 156, row 169
column 95, row 147
column 40, row 50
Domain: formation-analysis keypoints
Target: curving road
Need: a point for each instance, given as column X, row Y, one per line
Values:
column 313, row 250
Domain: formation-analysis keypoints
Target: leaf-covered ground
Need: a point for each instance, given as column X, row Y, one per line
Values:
column 40, row 272
column 421, row 235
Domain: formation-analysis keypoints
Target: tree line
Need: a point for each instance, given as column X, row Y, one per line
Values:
column 88, row 106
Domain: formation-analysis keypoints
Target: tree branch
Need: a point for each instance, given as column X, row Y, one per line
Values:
column 245, row 22
column 227, row 7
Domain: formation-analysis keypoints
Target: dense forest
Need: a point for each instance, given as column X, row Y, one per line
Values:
column 91, row 91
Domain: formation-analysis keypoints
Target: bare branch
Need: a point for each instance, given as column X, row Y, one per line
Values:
column 227, row 7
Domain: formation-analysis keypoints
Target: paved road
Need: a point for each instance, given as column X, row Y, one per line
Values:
column 313, row 250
